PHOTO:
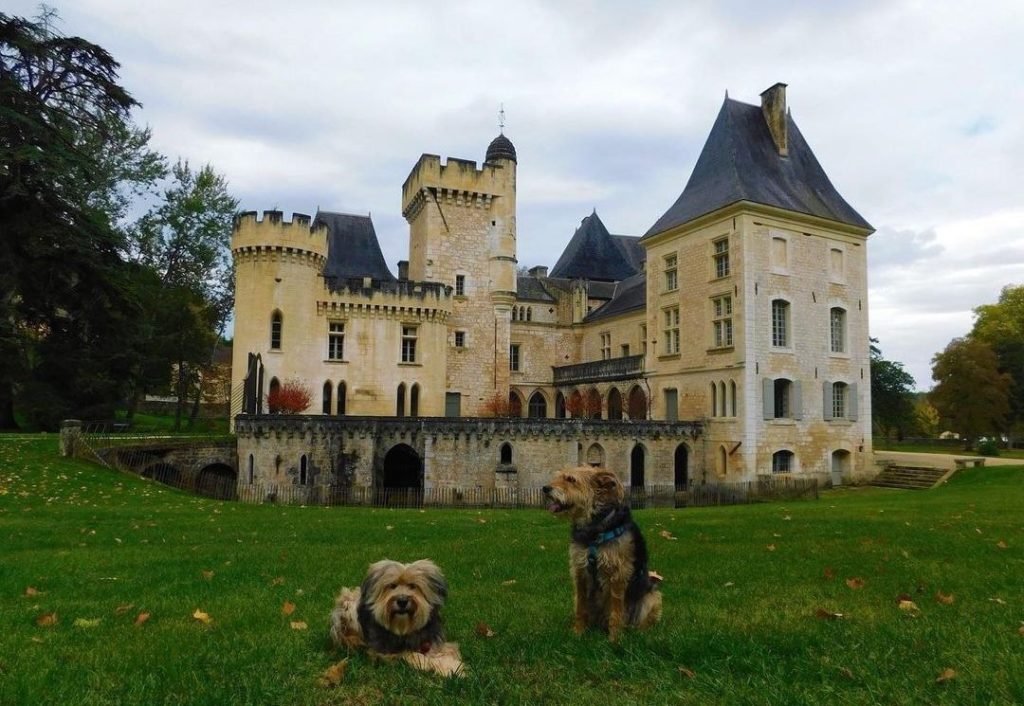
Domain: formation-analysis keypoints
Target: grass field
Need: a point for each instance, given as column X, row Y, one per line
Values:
column 743, row 586
column 949, row 449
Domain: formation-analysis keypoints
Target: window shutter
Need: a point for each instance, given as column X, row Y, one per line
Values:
column 797, row 403
column 768, row 397
column 826, row 390
column 851, row 401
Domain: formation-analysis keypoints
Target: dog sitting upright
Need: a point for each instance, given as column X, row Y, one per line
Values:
column 607, row 554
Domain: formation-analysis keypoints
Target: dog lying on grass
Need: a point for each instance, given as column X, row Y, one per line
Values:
column 396, row 614
column 613, row 588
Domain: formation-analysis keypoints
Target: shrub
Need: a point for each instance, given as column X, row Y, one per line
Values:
column 291, row 397
column 502, row 406
column 988, row 447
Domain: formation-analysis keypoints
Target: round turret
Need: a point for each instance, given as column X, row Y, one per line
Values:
column 500, row 148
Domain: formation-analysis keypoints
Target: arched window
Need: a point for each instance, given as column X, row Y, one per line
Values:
column 303, row 469
column 595, row 455
column 342, row 389
column 514, row 310
column 637, row 403
column 782, row 462
column 732, row 396
column 614, row 404
column 714, row 400
column 515, row 404
column 252, row 469
column 400, row 401
column 593, row 404
column 276, row 328
column 723, row 461
column 273, row 403
column 637, row 459
column 723, row 410
column 538, row 407
column 529, row 313
column 575, row 406
column 559, row 406
column 327, row 397
column 780, row 323
column 837, row 329
column 414, row 400
column 506, row 454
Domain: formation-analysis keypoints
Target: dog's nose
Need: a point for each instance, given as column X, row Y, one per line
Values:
column 546, row 489
column 402, row 602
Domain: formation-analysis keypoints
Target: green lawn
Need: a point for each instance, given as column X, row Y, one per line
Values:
column 925, row 448
column 742, row 587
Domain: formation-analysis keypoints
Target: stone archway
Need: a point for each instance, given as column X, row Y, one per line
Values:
column 637, row 489
column 218, row 480
column 400, row 481
column 164, row 473
column 681, row 466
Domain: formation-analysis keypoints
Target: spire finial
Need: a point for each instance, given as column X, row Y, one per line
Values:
column 501, row 118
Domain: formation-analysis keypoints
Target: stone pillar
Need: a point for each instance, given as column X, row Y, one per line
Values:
column 70, row 435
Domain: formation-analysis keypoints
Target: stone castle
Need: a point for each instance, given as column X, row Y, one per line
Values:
column 729, row 341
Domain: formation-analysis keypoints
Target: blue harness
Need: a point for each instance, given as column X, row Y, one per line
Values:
column 601, row 539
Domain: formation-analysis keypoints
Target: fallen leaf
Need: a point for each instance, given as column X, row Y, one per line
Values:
column 484, row 630
column 905, row 553
column 481, row 520
column 686, row 672
column 787, row 517
column 855, row 582
column 947, row 674
column 666, row 534
column 278, row 581
column 389, row 527
column 207, row 574
column 1020, row 630
column 909, row 606
column 287, row 608
column 334, row 674
column 727, row 584
column 846, row 672
column 829, row 573
column 944, row 598
column 31, row 591
column 655, row 576
column 46, row 620
column 510, row 582
column 1002, row 544
column 770, row 547
column 141, row 618
column 298, row 625
column 122, row 609
column 827, row 614
column 202, row 617
column 998, row 600
column 87, row 622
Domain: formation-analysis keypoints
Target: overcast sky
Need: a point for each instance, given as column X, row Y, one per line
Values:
column 913, row 108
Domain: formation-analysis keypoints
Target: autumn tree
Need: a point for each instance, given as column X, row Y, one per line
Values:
column 290, row 397
column 970, row 392
column 1001, row 326
column 892, row 405
column 926, row 418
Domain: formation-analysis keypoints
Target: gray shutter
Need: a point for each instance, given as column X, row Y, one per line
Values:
column 797, row 403
column 826, row 396
column 852, row 403
column 768, row 397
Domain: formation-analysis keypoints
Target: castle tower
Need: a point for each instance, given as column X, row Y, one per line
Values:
column 462, row 232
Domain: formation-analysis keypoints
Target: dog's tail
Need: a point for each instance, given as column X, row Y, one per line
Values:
column 345, row 628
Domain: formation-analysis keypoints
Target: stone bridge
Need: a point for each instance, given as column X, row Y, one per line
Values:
column 207, row 468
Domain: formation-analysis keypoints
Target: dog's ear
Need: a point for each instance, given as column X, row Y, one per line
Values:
column 607, row 484
column 374, row 573
column 436, row 581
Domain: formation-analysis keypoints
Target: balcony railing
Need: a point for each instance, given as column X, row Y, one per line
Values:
column 624, row 368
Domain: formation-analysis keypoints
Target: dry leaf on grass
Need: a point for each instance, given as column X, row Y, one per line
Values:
column 686, row 672
column 846, row 672
column 141, row 618
column 910, row 607
column 855, row 582
column 31, row 591
column 1002, row 544
column 122, row 609
column 770, row 547
column 827, row 614
column 207, row 574
column 298, row 625
column 830, row 573
column 202, row 617
column 947, row 674
column 1020, row 630
column 46, row 620
column 287, row 608
column 944, row 598
column 484, row 630
column 87, row 622
column 998, row 600
column 278, row 581
column 510, row 582
column 334, row 675
column 667, row 535
column 481, row 520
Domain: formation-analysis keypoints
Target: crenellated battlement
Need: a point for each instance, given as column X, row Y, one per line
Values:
column 456, row 182
column 273, row 234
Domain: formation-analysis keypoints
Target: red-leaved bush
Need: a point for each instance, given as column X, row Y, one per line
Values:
column 290, row 397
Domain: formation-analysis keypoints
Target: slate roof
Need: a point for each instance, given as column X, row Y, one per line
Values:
column 740, row 162
column 500, row 148
column 594, row 253
column 531, row 288
column 352, row 247
column 630, row 295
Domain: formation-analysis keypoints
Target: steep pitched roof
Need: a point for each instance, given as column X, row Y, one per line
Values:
column 632, row 250
column 630, row 294
column 352, row 247
column 593, row 253
column 531, row 288
column 740, row 162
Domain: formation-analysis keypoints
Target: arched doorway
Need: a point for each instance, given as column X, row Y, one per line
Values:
column 538, row 407
column 400, row 483
column 593, row 404
column 414, row 400
column 681, row 466
column 637, row 403
column 218, row 480
column 637, row 491
column 614, row 404
column 559, row 406
column 515, row 404
column 840, row 466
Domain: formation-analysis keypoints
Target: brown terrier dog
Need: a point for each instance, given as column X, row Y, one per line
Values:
column 607, row 555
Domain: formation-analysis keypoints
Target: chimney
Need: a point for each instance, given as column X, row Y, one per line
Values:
column 403, row 270
column 773, row 105
column 538, row 271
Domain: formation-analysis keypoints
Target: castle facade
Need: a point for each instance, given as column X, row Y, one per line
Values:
column 742, row 309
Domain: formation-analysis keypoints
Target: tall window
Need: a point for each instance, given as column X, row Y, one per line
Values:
column 780, row 323
column 732, row 396
column 400, row 401
column 671, row 330
column 837, row 321
column 722, row 400
column 538, row 406
column 409, row 344
column 506, row 454
column 513, row 357
column 721, row 257
column 336, row 340
column 460, row 339
column 783, row 401
column 252, row 468
column 303, row 469
column 643, row 338
column 625, row 350
column 341, row 397
column 671, row 273
column 835, row 264
column 606, row 346
column 839, row 390
column 714, row 400
column 414, row 400
column 529, row 313
column 327, row 397
column 782, row 462
column 779, row 253
column 722, row 321
column 276, row 324
column 460, row 285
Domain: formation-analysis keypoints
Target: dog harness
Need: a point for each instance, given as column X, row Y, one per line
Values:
column 601, row 539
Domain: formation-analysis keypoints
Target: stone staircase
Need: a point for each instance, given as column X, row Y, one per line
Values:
column 911, row 477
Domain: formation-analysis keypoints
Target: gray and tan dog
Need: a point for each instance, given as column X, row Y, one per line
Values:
column 613, row 588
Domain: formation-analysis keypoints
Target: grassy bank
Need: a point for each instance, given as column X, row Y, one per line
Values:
column 743, row 590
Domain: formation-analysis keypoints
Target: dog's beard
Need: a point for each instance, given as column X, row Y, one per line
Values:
column 401, row 620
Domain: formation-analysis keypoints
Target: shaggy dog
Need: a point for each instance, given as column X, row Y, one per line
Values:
column 397, row 613
column 607, row 554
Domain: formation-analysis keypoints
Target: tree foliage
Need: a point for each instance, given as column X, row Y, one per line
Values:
column 892, row 397
column 290, row 397
column 1001, row 326
column 970, row 392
